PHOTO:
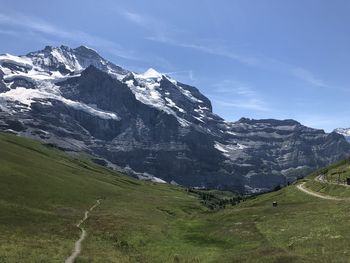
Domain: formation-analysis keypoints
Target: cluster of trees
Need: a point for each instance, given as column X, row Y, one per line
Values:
column 214, row 201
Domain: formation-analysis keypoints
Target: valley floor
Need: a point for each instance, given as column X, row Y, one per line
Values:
column 44, row 193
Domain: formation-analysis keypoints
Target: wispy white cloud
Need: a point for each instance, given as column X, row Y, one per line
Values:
column 24, row 24
column 308, row 77
column 218, row 50
column 20, row 25
column 257, row 61
column 8, row 32
column 237, row 94
column 17, row 24
column 154, row 26
column 251, row 104
column 183, row 74
column 135, row 18
column 162, row 32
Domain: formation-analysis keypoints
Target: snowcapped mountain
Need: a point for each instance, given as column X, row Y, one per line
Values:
column 150, row 125
column 35, row 76
column 345, row 132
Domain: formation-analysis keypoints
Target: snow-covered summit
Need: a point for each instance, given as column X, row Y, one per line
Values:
column 71, row 60
column 150, row 74
column 55, row 63
column 41, row 70
column 33, row 78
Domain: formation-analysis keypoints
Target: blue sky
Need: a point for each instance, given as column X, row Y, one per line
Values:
column 258, row 59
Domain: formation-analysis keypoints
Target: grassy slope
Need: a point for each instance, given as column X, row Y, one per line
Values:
column 43, row 193
column 335, row 173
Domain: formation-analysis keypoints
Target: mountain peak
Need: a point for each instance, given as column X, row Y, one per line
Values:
column 86, row 51
column 49, row 49
column 82, row 47
column 69, row 60
column 151, row 73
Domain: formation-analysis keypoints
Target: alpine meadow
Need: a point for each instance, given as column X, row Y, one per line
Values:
column 174, row 132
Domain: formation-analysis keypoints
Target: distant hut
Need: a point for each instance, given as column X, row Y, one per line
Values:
column 348, row 181
column 274, row 204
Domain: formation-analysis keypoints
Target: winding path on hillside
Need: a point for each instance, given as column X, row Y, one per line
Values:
column 321, row 178
column 302, row 188
column 77, row 246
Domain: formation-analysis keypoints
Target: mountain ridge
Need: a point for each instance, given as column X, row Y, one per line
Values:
column 152, row 125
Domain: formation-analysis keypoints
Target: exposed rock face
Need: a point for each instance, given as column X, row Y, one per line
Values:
column 151, row 125
column 344, row 131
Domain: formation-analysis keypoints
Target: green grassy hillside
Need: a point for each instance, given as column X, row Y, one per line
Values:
column 333, row 179
column 44, row 193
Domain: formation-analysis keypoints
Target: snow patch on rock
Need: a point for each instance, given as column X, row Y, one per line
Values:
column 146, row 92
column 28, row 96
column 189, row 95
column 19, row 61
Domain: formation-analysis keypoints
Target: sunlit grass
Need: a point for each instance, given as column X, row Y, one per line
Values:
column 43, row 193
